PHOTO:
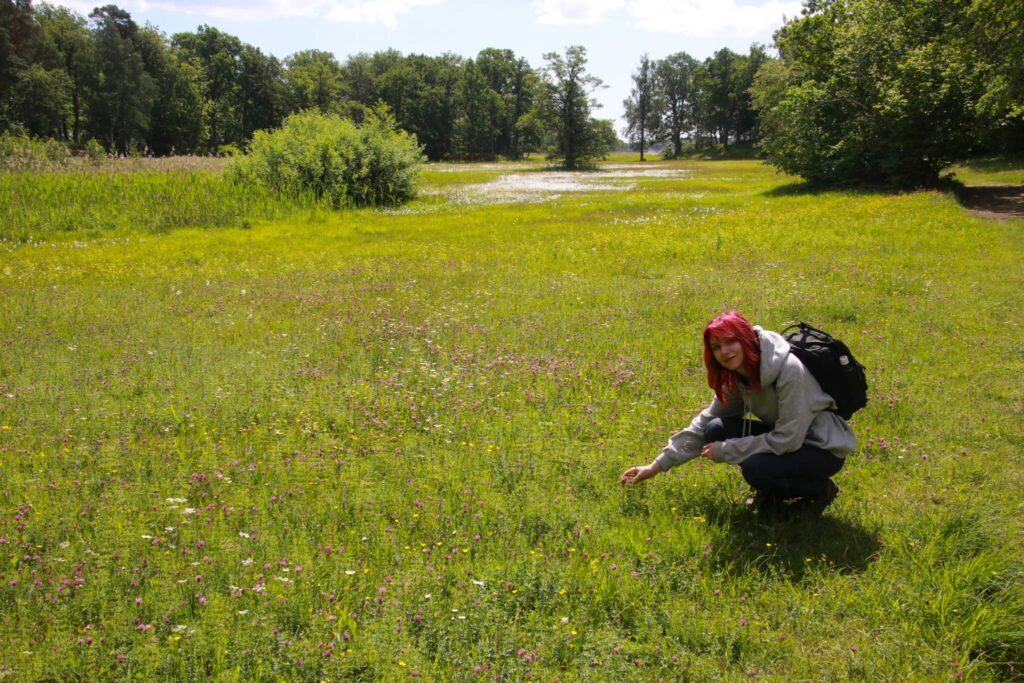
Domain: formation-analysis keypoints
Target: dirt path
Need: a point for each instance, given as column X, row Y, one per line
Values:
column 995, row 201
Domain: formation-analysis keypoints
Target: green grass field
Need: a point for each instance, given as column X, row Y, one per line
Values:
column 377, row 445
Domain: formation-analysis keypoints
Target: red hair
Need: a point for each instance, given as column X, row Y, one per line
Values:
column 732, row 325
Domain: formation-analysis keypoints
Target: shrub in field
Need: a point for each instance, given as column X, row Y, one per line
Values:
column 94, row 151
column 22, row 153
column 335, row 161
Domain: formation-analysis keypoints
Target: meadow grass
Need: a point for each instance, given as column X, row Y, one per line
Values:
column 381, row 445
column 989, row 171
column 127, row 197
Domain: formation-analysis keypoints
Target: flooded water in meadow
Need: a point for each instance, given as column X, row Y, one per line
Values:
column 541, row 186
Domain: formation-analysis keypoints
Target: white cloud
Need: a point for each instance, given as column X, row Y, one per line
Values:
column 258, row 10
column 386, row 12
column 374, row 11
column 711, row 18
column 83, row 7
column 575, row 12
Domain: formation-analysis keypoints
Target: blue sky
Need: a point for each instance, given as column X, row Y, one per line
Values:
column 615, row 32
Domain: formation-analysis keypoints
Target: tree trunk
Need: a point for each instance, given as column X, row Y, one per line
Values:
column 77, row 125
column 213, row 134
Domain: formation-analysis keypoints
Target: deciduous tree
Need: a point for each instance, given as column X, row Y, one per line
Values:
column 217, row 56
column 263, row 99
column 481, row 114
column 22, row 44
column 41, row 100
column 676, row 77
column 643, row 107
column 567, row 101
column 874, row 91
column 68, row 34
column 314, row 80
column 515, row 83
column 122, row 90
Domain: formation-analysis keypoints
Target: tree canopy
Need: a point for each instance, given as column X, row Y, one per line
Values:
column 877, row 91
column 679, row 98
column 892, row 91
column 131, row 88
column 643, row 108
column 567, row 99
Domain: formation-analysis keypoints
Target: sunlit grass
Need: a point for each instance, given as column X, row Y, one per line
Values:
column 989, row 171
column 62, row 205
column 356, row 446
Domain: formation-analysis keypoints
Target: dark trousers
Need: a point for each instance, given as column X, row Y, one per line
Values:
column 802, row 473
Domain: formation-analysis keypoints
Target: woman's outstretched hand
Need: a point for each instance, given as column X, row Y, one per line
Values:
column 635, row 475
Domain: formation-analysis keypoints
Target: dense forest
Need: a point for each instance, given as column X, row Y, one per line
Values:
column 860, row 91
column 132, row 88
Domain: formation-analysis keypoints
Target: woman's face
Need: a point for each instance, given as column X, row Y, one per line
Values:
column 729, row 353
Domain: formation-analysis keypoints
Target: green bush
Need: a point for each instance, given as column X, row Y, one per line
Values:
column 871, row 91
column 23, row 153
column 94, row 150
column 334, row 161
column 229, row 150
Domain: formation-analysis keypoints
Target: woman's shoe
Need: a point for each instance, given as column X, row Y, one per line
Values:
column 764, row 503
column 816, row 506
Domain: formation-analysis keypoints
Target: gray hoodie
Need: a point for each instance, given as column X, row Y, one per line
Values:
column 790, row 400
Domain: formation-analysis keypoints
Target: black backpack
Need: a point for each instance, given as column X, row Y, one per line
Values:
column 840, row 375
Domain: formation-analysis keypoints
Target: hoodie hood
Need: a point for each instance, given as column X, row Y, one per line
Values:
column 774, row 349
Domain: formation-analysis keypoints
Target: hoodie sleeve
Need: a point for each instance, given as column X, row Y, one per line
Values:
column 796, row 412
column 686, row 445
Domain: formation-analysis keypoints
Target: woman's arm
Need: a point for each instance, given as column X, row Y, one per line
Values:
column 684, row 445
column 687, row 444
column 635, row 475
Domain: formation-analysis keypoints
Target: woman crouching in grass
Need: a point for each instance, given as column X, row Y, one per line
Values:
column 794, row 447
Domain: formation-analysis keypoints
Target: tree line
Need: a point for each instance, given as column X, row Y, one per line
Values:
column 875, row 91
column 681, row 101
column 862, row 91
column 132, row 88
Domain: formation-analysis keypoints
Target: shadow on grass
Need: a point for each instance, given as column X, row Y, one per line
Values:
column 996, row 201
column 794, row 545
column 989, row 201
column 734, row 153
column 800, row 189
